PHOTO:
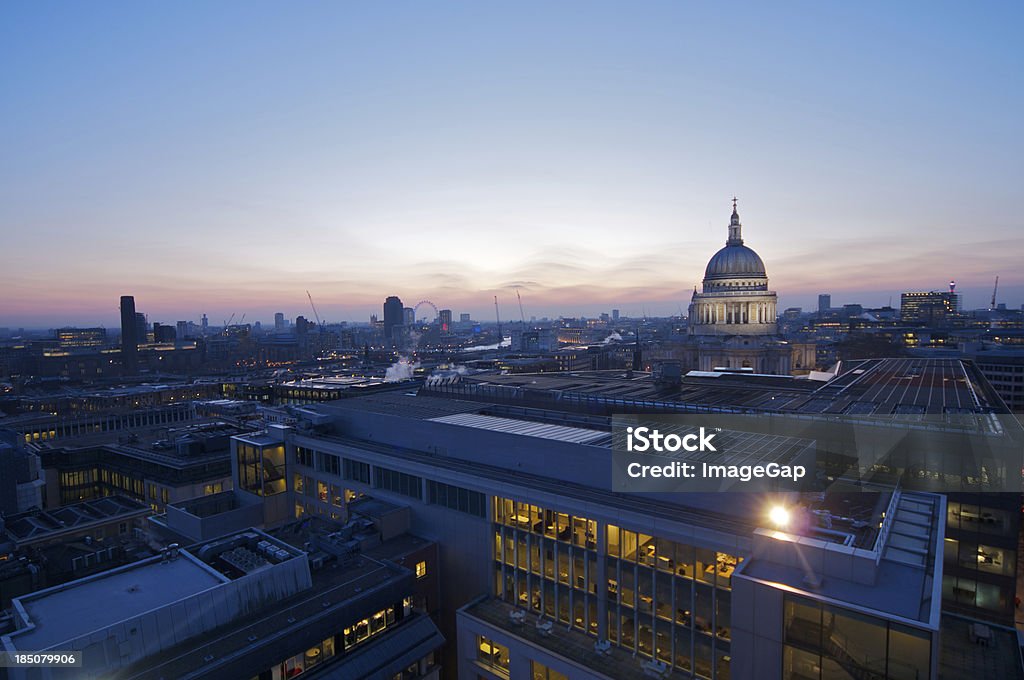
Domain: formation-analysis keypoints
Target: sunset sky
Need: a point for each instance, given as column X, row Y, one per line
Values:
column 226, row 157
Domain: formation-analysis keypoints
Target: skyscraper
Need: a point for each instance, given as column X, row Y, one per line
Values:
column 824, row 303
column 445, row 318
column 129, row 336
column 279, row 321
column 393, row 315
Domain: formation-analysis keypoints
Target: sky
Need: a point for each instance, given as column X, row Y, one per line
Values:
column 227, row 157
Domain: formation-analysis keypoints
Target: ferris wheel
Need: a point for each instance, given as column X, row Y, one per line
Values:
column 428, row 303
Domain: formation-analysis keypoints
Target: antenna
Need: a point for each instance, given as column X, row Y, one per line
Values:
column 498, row 317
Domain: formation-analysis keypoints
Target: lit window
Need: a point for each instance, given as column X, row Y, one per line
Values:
column 421, row 569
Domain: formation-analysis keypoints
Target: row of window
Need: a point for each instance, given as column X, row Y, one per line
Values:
column 824, row 641
column 318, row 460
column 335, row 645
column 438, row 493
column 356, row 471
column 556, row 525
column 399, row 482
column 314, row 488
column 457, row 498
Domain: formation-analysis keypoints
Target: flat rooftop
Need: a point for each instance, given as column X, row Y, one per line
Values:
column 897, row 386
column 571, row 644
column 961, row 657
column 904, row 581
column 39, row 525
column 68, row 611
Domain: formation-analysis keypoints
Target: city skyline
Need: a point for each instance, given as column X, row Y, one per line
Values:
column 229, row 165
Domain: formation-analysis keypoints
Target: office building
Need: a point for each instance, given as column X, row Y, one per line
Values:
column 394, row 315
column 545, row 570
column 129, row 336
column 444, row 318
column 931, row 308
column 279, row 322
column 824, row 303
column 245, row 605
column 409, row 316
column 81, row 337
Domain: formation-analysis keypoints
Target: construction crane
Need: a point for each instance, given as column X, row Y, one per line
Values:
column 315, row 313
column 995, row 288
column 227, row 322
column 497, row 316
column 521, row 314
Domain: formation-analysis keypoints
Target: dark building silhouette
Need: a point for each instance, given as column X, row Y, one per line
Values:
column 129, row 336
column 164, row 333
column 393, row 315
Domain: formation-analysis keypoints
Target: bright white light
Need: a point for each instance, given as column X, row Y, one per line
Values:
column 779, row 516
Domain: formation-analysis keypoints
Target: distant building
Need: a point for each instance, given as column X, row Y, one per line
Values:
column 163, row 333
column 129, row 336
column 824, row 303
column 444, row 317
column 733, row 321
column 279, row 323
column 394, row 315
column 141, row 327
column 409, row 316
column 183, row 331
column 465, row 318
column 81, row 337
column 615, row 315
column 934, row 307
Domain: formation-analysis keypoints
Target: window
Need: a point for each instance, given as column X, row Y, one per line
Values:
column 824, row 641
column 368, row 627
column 356, row 471
column 493, row 655
column 421, row 569
column 539, row 671
column 304, row 456
column 399, row 482
column 329, row 463
column 457, row 498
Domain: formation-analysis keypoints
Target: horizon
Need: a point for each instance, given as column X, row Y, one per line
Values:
column 581, row 154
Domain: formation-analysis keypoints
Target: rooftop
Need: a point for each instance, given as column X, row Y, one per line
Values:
column 903, row 583
column 870, row 386
column 960, row 656
column 68, row 611
column 42, row 524
column 571, row 644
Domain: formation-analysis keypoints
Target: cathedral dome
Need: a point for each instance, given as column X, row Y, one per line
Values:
column 735, row 261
